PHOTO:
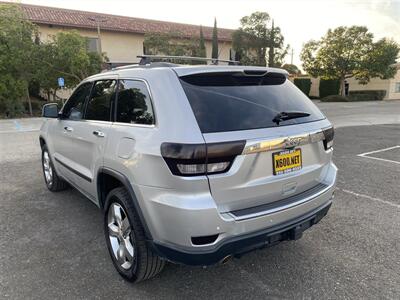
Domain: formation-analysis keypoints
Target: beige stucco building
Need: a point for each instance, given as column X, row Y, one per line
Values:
column 121, row 38
column 122, row 47
column 391, row 86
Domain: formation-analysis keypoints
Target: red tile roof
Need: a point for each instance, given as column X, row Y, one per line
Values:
column 80, row 19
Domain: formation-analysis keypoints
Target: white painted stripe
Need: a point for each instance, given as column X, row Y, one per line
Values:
column 19, row 131
column 370, row 198
column 377, row 151
column 365, row 155
column 382, row 159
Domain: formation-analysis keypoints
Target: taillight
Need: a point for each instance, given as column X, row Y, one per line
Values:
column 200, row 159
column 328, row 134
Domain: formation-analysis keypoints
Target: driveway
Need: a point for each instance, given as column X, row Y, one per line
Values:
column 361, row 113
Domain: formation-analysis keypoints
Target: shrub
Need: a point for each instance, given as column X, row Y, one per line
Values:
column 328, row 87
column 334, row 98
column 12, row 91
column 366, row 95
column 304, row 84
column 34, row 88
column 35, row 106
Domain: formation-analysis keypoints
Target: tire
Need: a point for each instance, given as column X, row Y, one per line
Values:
column 131, row 255
column 53, row 182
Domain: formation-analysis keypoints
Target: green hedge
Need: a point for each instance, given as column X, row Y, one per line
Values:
column 334, row 98
column 304, row 84
column 328, row 87
column 367, row 95
column 35, row 105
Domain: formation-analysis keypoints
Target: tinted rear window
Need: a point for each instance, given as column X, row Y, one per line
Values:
column 233, row 101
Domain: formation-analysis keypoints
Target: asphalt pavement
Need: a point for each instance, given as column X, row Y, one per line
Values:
column 52, row 244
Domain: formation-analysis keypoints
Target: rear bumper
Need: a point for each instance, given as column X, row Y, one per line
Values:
column 176, row 218
column 236, row 246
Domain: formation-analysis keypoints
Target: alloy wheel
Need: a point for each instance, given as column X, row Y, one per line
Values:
column 47, row 168
column 119, row 232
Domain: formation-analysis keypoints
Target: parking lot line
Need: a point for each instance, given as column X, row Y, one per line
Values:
column 370, row 198
column 19, row 131
column 366, row 154
column 17, row 125
column 377, row 151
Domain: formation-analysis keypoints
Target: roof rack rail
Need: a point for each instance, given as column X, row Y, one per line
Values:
column 125, row 67
column 147, row 59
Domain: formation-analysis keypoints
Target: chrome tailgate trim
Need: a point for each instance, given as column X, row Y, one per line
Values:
column 284, row 142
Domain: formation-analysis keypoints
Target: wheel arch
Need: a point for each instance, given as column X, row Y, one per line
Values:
column 108, row 179
column 42, row 142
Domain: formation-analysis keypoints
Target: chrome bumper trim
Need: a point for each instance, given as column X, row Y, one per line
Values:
column 238, row 217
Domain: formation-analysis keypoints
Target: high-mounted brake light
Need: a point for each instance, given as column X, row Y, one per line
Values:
column 329, row 134
column 200, row 159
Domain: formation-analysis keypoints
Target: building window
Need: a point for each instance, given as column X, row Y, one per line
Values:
column 92, row 44
column 397, row 87
column 232, row 54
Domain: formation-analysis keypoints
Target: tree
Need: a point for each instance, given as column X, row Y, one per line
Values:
column 256, row 42
column 24, row 59
column 347, row 52
column 214, row 51
column 16, row 69
column 47, row 73
column 292, row 69
column 172, row 43
column 202, row 44
column 72, row 58
column 277, row 50
column 66, row 55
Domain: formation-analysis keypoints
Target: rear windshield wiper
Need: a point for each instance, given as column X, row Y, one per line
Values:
column 284, row 116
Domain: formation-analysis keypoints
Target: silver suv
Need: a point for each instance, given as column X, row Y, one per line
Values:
column 191, row 164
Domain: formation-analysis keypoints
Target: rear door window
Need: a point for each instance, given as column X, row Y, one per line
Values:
column 236, row 101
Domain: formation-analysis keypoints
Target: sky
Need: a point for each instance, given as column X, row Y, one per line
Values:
column 299, row 21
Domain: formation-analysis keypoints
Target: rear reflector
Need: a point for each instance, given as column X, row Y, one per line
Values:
column 328, row 134
column 200, row 159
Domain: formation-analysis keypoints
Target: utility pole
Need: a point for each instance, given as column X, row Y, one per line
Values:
column 291, row 57
column 98, row 21
column 271, row 54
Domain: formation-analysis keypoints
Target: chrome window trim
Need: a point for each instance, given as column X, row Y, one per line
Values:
column 135, row 125
column 91, row 121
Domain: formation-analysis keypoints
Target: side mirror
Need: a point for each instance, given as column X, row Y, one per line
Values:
column 50, row 110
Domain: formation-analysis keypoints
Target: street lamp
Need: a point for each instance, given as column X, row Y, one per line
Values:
column 98, row 21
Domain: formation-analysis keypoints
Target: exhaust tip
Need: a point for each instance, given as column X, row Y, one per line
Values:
column 225, row 259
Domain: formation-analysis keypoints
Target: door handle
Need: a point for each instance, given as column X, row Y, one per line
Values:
column 69, row 129
column 99, row 133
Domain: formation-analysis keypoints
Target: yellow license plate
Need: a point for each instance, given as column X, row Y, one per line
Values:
column 286, row 161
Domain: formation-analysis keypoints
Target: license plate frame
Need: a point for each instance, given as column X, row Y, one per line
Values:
column 284, row 166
